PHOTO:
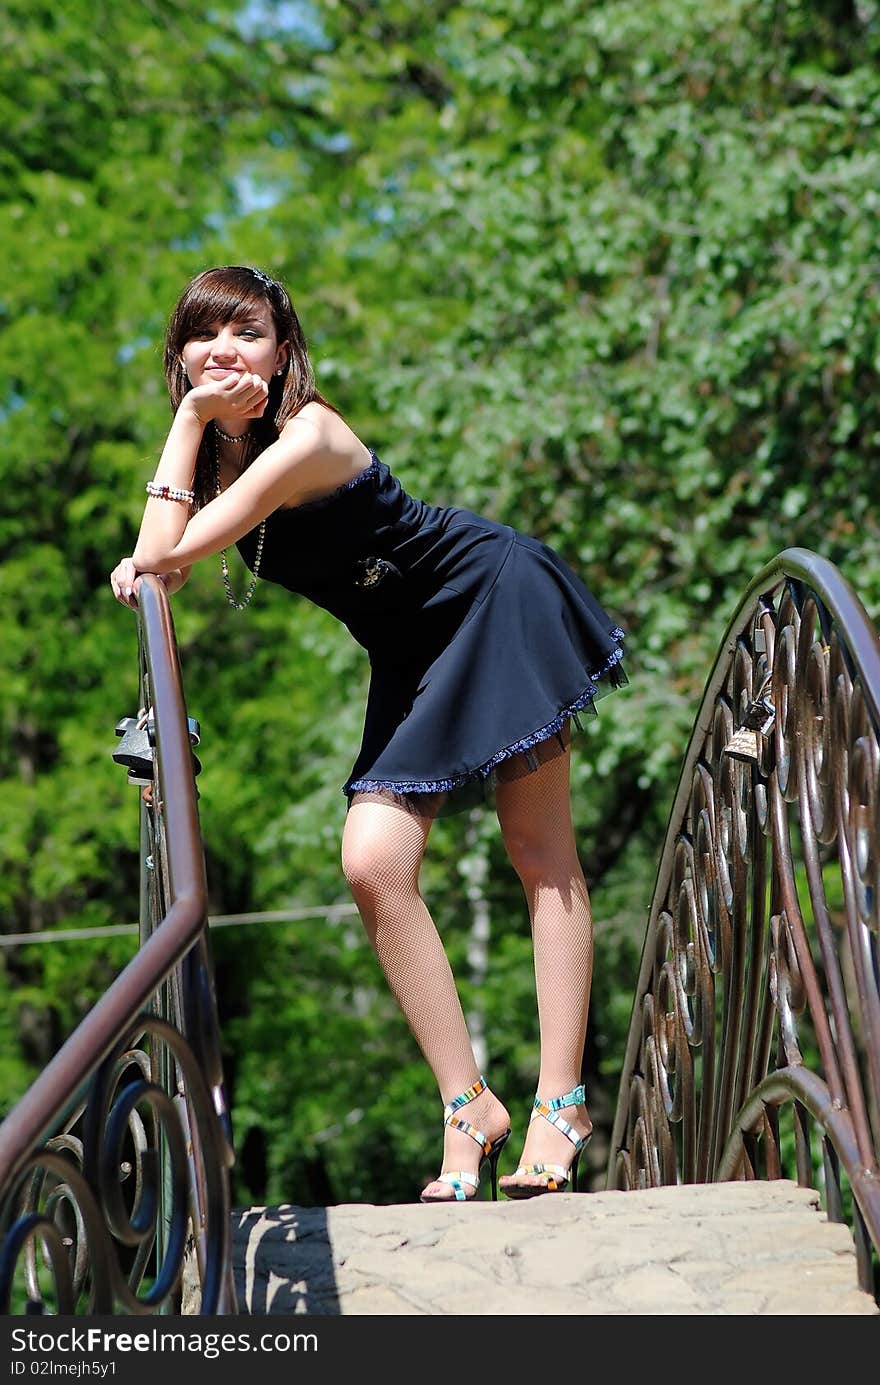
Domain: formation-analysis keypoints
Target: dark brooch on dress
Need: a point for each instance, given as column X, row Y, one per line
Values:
column 369, row 572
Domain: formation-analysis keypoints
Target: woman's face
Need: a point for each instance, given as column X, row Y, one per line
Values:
column 247, row 344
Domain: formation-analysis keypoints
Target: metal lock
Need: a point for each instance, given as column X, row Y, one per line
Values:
column 136, row 749
column 757, row 721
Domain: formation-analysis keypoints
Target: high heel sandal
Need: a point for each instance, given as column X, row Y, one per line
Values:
column 459, row 1180
column 560, row 1177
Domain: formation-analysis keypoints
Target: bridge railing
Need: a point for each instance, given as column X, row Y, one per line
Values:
column 754, row 1046
column 117, row 1158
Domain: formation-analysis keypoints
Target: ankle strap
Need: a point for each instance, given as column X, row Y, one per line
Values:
column 576, row 1097
column 464, row 1097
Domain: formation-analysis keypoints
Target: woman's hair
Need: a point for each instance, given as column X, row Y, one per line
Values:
column 227, row 294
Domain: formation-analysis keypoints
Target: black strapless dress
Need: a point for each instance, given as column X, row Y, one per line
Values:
column 483, row 642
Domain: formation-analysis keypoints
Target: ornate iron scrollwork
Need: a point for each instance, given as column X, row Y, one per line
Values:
column 759, row 990
column 97, row 1210
column 98, row 1217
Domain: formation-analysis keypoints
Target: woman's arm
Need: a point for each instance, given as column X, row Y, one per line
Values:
column 299, row 462
column 164, row 521
column 174, row 580
column 125, row 575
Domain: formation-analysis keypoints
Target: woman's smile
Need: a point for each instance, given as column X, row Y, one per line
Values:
column 226, row 350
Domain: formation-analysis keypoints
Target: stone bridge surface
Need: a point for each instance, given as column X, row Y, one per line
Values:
column 721, row 1248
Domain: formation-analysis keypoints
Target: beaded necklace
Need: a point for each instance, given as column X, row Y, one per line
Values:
column 224, row 565
column 230, row 437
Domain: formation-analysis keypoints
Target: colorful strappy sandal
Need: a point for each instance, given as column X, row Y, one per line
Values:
column 459, row 1181
column 560, row 1178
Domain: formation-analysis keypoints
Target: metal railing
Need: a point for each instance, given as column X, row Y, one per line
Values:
column 754, row 1045
column 116, row 1160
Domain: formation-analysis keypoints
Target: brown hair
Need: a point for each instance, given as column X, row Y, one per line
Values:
column 226, row 294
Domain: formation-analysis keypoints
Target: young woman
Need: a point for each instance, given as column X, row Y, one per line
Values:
column 483, row 645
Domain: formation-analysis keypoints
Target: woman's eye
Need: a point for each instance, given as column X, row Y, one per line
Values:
column 249, row 333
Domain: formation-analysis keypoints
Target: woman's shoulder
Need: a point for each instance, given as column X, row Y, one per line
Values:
column 337, row 454
column 331, row 432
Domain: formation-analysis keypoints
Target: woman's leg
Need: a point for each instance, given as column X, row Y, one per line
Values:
column 382, row 849
column 535, row 816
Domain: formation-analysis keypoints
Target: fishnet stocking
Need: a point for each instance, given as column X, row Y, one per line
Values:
column 535, row 817
column 382, row 849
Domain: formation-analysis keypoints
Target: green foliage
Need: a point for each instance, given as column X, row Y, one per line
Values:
column 604, row 272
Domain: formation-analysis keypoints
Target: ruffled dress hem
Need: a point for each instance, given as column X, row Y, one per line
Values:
column 484, row 772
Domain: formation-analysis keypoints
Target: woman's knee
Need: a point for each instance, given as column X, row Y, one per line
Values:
column 539, row 856
column 374, row 861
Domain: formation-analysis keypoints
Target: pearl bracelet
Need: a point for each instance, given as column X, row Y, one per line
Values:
column 162, row 492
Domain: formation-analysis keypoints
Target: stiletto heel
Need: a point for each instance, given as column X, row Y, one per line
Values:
column 560, row 1178
column 458, row 1180
column 493, row 1162
column 574, row 1171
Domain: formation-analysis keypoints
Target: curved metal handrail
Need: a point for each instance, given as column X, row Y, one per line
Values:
column 175, row 1158
column 759, row 985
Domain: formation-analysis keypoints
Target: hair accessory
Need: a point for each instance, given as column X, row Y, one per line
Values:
column 224, row 565
column 230, row 437
column 263, row 278
column 162, row 492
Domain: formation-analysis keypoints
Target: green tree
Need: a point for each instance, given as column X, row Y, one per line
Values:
column 605, row 272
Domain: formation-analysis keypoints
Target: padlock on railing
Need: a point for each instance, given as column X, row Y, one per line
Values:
column 745, row 743
column 136, row 748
